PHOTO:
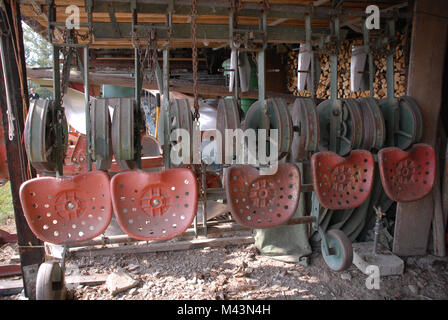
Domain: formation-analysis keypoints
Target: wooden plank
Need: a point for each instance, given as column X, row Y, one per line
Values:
column 8, row 270
column 17, row 159
column 206, row 32
column 164, row 246
column 425, row 79
column 12, row 287
column 175, row 85
column 438, row 225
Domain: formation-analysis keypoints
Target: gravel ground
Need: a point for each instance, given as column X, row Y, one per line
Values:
column 239, row 272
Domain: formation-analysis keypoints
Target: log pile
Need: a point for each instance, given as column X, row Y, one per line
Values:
column 344, row 55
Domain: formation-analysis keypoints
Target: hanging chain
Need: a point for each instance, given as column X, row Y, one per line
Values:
column 200, row 169
column 195, row 58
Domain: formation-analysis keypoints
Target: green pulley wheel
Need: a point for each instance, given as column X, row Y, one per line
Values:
column 50, row 283
column 340, row 256
column 403, row 120
column 276, row 117
column 350, row 130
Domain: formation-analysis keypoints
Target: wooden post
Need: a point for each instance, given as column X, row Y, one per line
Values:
column 425, row 80
column 30, row 258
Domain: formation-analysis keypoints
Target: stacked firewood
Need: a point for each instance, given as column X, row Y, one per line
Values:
column 344, row 55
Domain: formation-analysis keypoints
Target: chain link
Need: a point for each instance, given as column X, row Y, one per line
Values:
column 198, row 168
column 195, row 58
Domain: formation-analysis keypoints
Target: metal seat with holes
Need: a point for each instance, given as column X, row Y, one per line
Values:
column 342, row 183
column 407, row 176
column 262, row 201
column 67, row 209
column 155, row 205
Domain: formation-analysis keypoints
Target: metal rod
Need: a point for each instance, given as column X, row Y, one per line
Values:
column 138, row 101
column 87, row 106
column 165, row 110
column 367, row 50
column 390, row 62
column 56, row 111
column 261, row 63
column 309, row 49
column 213, row 228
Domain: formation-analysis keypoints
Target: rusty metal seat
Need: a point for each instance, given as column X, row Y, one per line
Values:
column 67, row 209
column 342, row 183
column 407, row 175
column 155, row 205
column 262, row 201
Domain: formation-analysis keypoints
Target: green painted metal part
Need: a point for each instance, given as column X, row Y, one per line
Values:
column 339, row 253
column 276, row 117
column 110, row 91
column 347, row 130
column 403, row 122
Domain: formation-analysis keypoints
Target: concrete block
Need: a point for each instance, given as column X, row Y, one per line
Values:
column 388, row 263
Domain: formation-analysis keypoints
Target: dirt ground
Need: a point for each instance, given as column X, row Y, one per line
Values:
column 239, row 272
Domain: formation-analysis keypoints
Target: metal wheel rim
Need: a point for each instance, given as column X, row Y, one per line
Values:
column 50, row 283
column 343, row 257
column 123, row 133
column 101, row 134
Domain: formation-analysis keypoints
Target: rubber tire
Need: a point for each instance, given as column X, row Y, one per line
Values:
column 343, row 258
column 50, row 282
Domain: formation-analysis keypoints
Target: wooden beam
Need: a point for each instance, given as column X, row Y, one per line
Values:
column 11, row 287
column 164, row 246
column 175, row 85
column 425, row 80
column 13, row 71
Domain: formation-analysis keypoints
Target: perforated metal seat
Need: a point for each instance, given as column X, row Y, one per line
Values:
column 407, row 176
column 262, row 201
column 342, row 183
column 67, row 209
column 155, row 205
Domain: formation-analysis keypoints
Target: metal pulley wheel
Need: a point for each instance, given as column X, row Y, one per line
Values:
column 124, row 137
column 306, row 128
column 342, row 183
column 50, row 282
column 40, row 136
column 228, row 117
column 340, row 256
column 101, row 141
column 404, row 122
column 349, row 132
column 407, row 176
column 262, row 201
column 180, row 117
column 276, row 117
column 373, row 122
